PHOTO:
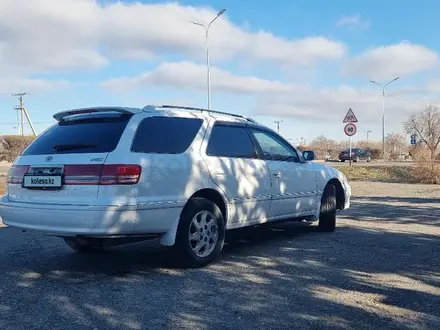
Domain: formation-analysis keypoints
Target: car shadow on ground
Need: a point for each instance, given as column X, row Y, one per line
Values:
column 281, row 276
column 400, row 210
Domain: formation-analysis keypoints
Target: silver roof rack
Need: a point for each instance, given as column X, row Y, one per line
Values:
column 166, row 106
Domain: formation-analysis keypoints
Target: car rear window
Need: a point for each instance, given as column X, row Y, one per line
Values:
column 165, row 135
column 96, row 134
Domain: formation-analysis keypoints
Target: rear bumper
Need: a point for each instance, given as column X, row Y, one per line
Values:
column 72, row 220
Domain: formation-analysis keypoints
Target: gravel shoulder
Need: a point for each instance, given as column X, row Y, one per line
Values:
column 378, row 270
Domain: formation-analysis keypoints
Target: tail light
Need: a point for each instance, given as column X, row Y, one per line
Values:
column 82, row 174
column 101, row 174
column 16, row 174
column 120, row 174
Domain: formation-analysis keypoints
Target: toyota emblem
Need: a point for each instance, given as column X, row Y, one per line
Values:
column 49, row 159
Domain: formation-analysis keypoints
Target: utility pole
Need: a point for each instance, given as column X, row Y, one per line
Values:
column 278, row 125
column 23, row 112
column 20, row 108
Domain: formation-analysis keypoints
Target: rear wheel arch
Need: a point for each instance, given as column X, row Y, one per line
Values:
column 169, row 238
column 215, row 197
column 340, row 195
column 192, row 223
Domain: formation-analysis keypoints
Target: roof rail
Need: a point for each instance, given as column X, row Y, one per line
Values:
column 166, row 106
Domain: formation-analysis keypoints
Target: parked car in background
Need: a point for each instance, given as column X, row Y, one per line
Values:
column 357, row 155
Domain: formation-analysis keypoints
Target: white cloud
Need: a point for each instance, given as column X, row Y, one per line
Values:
column 15, row 85
column 299, row 102
column 433, row 87
column 65, row 35
column 354, row 22
column 48, row 35
column 331, row 104
column 193, row 76
column 387, row 62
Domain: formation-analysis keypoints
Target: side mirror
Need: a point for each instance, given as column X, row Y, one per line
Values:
column 309, row 155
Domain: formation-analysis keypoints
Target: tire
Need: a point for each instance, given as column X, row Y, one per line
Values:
column 83, row 245
column 208, row 241
column 327, row 215
column 343, row 160
column 368, row 159
column 356, row 160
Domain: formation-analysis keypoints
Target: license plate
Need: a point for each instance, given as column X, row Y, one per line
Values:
column 42, row 181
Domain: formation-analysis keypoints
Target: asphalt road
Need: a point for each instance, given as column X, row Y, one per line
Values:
column 379, row 270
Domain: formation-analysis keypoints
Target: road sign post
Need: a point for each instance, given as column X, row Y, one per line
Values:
column 350, row 129
column 350, row 149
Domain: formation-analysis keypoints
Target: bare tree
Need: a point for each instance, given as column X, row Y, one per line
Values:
column 324, row 146
column 426, row 125
column 395, row 143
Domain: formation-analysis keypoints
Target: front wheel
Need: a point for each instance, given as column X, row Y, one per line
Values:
column 327, row 215
column 201, row 233
column 369, row 159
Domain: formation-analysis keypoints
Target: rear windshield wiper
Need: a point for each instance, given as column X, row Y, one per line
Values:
column 73, row 146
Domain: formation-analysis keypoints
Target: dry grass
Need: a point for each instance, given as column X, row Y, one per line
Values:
column 2, row 184
column 15, row 144
column 379, row 173
column 428, row 172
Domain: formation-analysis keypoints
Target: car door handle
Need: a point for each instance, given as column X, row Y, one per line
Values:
column 277, row 174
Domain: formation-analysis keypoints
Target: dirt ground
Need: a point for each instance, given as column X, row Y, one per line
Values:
column 378, row 270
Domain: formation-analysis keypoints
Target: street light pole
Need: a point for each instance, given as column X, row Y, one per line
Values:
column 278, row 125
column 367, row 136
column 208, row 69
column 383, row 111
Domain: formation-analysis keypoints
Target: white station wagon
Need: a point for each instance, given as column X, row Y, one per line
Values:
column 111, row 175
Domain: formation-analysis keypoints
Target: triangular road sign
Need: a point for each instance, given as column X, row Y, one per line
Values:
column 350, row 117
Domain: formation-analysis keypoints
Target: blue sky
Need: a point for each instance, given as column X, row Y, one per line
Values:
column 302, row 62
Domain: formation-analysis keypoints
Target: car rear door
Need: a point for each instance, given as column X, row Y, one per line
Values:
column 234, row 167
column 63, row 165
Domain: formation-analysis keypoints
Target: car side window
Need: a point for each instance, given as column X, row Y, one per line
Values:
column 230, row 141
column 273, row 148
column 165, row 135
